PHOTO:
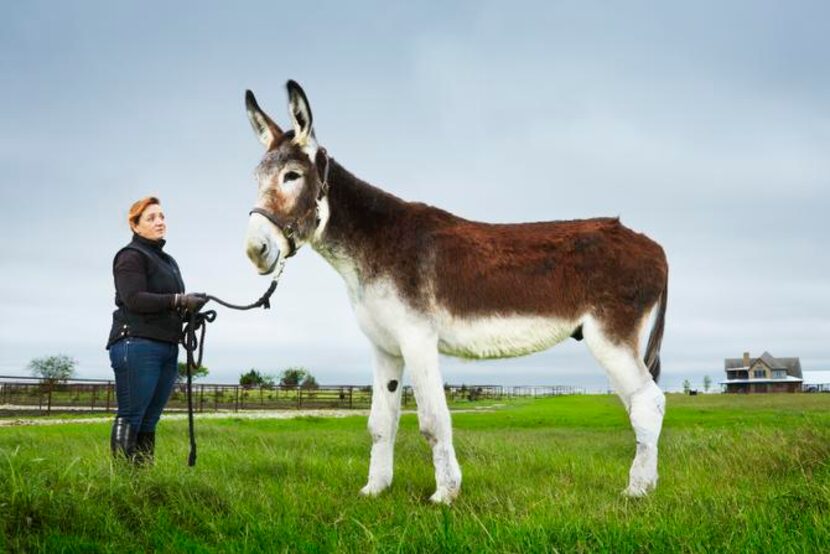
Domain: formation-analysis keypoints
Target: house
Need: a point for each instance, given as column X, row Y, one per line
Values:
column 764, row 374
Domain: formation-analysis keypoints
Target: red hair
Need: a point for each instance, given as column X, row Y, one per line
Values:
column 138, row 208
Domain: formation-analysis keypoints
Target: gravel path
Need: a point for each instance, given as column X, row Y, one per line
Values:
column 252, row 414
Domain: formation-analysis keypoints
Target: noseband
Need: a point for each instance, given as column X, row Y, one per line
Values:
column 289, row 228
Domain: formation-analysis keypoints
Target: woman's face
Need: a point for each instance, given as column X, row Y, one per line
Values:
column 151, row 223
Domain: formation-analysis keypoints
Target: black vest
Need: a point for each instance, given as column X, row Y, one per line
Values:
column 163, row 277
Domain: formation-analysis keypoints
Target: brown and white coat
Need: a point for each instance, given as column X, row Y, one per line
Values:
column 423, row 281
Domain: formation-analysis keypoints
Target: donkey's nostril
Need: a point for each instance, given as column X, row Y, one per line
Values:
column 263, row 249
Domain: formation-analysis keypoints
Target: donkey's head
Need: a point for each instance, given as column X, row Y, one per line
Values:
column 290, row 184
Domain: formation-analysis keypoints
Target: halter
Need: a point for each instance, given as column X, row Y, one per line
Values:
column 288, row 229
column 194, row 346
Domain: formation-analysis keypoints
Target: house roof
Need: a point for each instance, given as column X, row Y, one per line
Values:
column 792, row 365
column 771, row 362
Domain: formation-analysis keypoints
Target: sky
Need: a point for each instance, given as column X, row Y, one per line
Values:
column 705, row 125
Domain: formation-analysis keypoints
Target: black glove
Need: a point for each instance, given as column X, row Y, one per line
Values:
column 192, row 302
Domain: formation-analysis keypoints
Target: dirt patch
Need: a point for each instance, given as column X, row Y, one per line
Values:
column 252, row 414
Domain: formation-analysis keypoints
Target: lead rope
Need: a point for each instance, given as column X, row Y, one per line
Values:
column 195, row 322
column 198, row 319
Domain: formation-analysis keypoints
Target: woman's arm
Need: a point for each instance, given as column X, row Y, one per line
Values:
column 131, row 283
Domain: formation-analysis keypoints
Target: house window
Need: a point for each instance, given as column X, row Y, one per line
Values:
column 779, row 374
column 759, row 373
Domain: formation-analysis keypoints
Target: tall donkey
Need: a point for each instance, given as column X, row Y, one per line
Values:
column 423, row 281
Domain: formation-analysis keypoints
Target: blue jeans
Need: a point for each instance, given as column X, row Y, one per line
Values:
column 145, row 372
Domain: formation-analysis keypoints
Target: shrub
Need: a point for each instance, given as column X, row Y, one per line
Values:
column 254, row 378
column 53, row 368
column 298, row 377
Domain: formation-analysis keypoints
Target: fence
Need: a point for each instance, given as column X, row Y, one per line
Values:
column 35, row 396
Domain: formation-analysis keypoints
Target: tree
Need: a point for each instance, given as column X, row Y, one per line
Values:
column 309, row 383
column 292, row 377
column 298, row 377
column 53, row 368
column 256, row 379
column 707, row 383
column 687, row 386
column 197, row 372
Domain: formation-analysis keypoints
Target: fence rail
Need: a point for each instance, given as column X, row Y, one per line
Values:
column 35, row 396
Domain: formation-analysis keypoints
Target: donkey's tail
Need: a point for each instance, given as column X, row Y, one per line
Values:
column 655, row 338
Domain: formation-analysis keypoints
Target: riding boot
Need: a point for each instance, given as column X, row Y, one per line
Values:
column 145, row 448
column 123, row 439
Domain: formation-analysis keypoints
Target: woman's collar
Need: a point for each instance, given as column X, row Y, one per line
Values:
column 158, row 244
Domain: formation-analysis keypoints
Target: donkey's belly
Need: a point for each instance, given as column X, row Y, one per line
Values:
column 501, row 336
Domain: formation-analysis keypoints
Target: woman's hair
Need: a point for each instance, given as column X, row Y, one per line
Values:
column 138, row 208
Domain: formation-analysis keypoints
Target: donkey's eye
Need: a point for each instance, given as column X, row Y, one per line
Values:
column 290, row 176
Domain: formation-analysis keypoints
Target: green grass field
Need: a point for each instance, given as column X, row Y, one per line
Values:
column 737, row 473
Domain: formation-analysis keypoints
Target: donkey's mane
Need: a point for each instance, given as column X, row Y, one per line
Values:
column 385, row 235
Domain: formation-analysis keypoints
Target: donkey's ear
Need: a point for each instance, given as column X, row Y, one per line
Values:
column 300, row 113
column 267, row 131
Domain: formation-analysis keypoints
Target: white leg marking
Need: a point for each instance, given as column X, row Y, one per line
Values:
column 642, row 398
column 383, row 421
column 434, row 417
column 647, row 408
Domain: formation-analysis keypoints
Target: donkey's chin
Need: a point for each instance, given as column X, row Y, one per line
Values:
column 270, row 268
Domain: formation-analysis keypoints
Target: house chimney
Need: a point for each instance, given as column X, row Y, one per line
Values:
column 746, row 359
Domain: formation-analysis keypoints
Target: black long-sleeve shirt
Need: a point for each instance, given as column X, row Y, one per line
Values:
column 130, row 272
column 146, row 282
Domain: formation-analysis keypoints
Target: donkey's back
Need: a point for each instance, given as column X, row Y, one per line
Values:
column 511, row 289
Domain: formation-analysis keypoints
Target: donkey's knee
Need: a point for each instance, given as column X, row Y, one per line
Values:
column 429, row 430
column 647, row 407
column 429, row 436
column 382, row 429
column 435, row 424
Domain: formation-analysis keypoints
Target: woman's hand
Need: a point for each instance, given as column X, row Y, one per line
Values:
column 192, row 302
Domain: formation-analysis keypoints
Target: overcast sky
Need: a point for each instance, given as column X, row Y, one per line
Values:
column 705, row 125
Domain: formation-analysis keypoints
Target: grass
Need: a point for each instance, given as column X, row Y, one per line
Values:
column 738, row 473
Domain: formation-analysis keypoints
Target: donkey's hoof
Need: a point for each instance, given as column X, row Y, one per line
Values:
column 444, row 496
column 373, row 489
column 638, row 490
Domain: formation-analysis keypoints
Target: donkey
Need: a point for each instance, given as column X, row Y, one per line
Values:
column 423, row 281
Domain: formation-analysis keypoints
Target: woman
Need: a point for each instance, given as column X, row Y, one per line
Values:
column 146, row 329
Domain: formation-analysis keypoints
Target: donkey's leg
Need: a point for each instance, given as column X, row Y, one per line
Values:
column 383, row 420
column 648, row 404
column 434, row 416
column 643, row 400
